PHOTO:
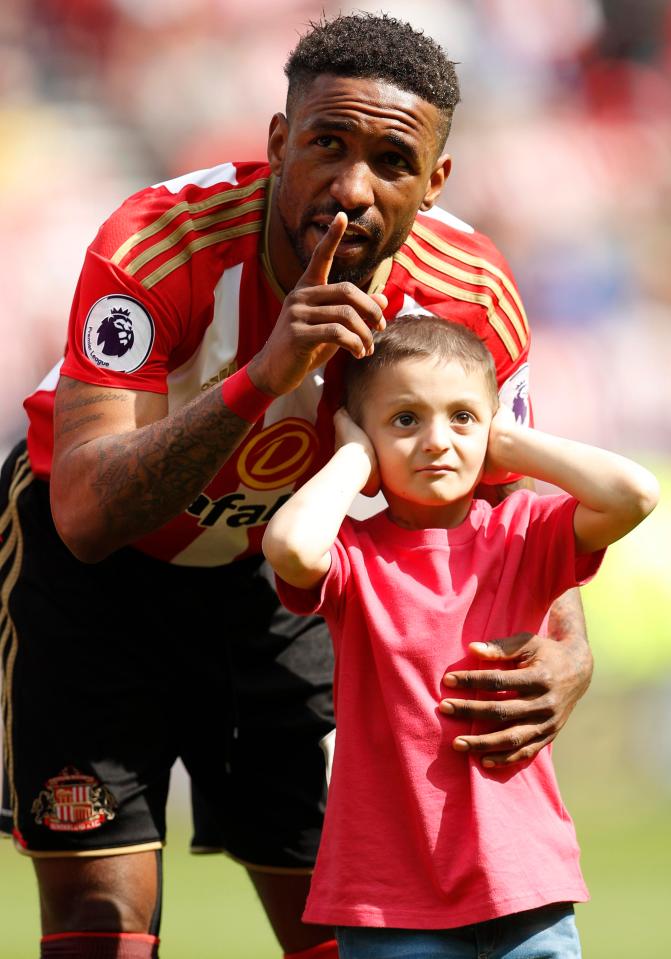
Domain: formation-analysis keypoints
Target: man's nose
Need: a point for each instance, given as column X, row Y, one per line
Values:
column 352, row 187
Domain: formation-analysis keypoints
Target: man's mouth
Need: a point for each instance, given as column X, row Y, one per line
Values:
column 353, row 239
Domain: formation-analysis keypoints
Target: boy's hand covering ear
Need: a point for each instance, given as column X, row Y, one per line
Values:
column 503, row 422
column 347, row 431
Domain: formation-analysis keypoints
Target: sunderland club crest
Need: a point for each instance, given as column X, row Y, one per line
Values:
column 73, row 802
column 118, row 334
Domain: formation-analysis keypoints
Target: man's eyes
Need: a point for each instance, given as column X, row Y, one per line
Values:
column 389, row 159
column 396, row 160
column 328, row 142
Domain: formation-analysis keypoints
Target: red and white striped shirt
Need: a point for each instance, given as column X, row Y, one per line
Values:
column 177, row 292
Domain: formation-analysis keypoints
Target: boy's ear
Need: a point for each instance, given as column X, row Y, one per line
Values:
column 440, row 173
column 278, row 135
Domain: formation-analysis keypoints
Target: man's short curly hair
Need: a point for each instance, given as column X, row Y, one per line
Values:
column 379, row 47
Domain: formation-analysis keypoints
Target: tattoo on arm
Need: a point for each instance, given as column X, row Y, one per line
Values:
column 567, row 619
column 166, row 468
column 144, row 477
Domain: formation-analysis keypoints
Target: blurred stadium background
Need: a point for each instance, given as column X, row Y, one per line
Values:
column 562, row 153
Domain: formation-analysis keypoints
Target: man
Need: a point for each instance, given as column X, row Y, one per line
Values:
column 144, row 625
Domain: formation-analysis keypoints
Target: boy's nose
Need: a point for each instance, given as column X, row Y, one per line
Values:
column 437, row 435
column 352, row 187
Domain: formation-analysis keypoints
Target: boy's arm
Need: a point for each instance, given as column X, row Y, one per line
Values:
column 614, row 494
column 548, row 675
column 551, row 672
column 298, row 538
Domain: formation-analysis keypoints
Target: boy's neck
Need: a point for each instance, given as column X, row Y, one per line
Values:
column 411, row 515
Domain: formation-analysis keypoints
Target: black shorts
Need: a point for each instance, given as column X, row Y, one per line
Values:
column 113, row 670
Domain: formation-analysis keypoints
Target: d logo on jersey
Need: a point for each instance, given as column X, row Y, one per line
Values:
column 118, row 334
column 278, row 455
column 272, row 459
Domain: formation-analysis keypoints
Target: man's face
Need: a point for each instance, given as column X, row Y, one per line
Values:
column 358, row 145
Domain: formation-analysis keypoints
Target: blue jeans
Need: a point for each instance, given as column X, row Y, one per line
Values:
column 546, row 933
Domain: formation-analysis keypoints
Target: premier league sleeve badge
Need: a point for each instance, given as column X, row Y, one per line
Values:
column 118, row 334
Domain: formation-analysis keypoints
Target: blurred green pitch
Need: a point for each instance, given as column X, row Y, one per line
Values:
column 211, row 912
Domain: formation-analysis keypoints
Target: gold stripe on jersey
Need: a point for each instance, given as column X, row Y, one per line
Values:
column 440, row 244
column 378, row 280
column 217, row 199
column 468, row 296
column 21, row 469
column 23, row 477
column 188, row 226
column 473, row 279
column 200, row 243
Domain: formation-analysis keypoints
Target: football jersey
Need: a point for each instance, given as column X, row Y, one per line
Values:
column 177, row 292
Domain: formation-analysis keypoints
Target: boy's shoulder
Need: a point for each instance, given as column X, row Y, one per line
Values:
column 523, row 506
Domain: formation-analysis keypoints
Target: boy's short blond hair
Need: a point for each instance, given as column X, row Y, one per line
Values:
column 415, row 337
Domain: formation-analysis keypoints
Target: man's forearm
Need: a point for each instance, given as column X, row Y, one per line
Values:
column 116, row 488
column 566, row 623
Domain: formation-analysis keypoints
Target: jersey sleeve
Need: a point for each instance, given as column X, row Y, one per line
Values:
column 447, row 268
column 119, row 334
column 456, row 272
column 123, row 331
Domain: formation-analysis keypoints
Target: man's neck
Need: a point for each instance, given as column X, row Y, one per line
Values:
column 279, row 258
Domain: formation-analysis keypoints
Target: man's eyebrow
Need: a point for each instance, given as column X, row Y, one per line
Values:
column 403, row 145
column 322, row 124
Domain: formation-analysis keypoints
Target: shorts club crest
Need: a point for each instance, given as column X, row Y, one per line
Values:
column 73, row 802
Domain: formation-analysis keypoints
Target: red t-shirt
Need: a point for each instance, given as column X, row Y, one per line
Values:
column 416, row 834
column 177, row 292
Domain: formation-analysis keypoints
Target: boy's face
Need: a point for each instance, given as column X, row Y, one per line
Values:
column 429, row 423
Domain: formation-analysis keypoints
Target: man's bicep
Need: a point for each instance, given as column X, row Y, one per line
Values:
column 85, row 412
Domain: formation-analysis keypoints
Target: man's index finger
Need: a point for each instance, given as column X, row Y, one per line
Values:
column 319, row 267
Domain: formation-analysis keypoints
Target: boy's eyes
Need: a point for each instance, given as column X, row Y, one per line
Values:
column 463, row 418
column 404, row 420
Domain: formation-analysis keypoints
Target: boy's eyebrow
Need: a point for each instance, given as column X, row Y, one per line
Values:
column 409, row 399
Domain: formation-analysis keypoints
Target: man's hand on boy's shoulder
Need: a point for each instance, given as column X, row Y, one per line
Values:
column 549, row 675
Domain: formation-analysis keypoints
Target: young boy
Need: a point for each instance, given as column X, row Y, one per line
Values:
column 425, row 853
